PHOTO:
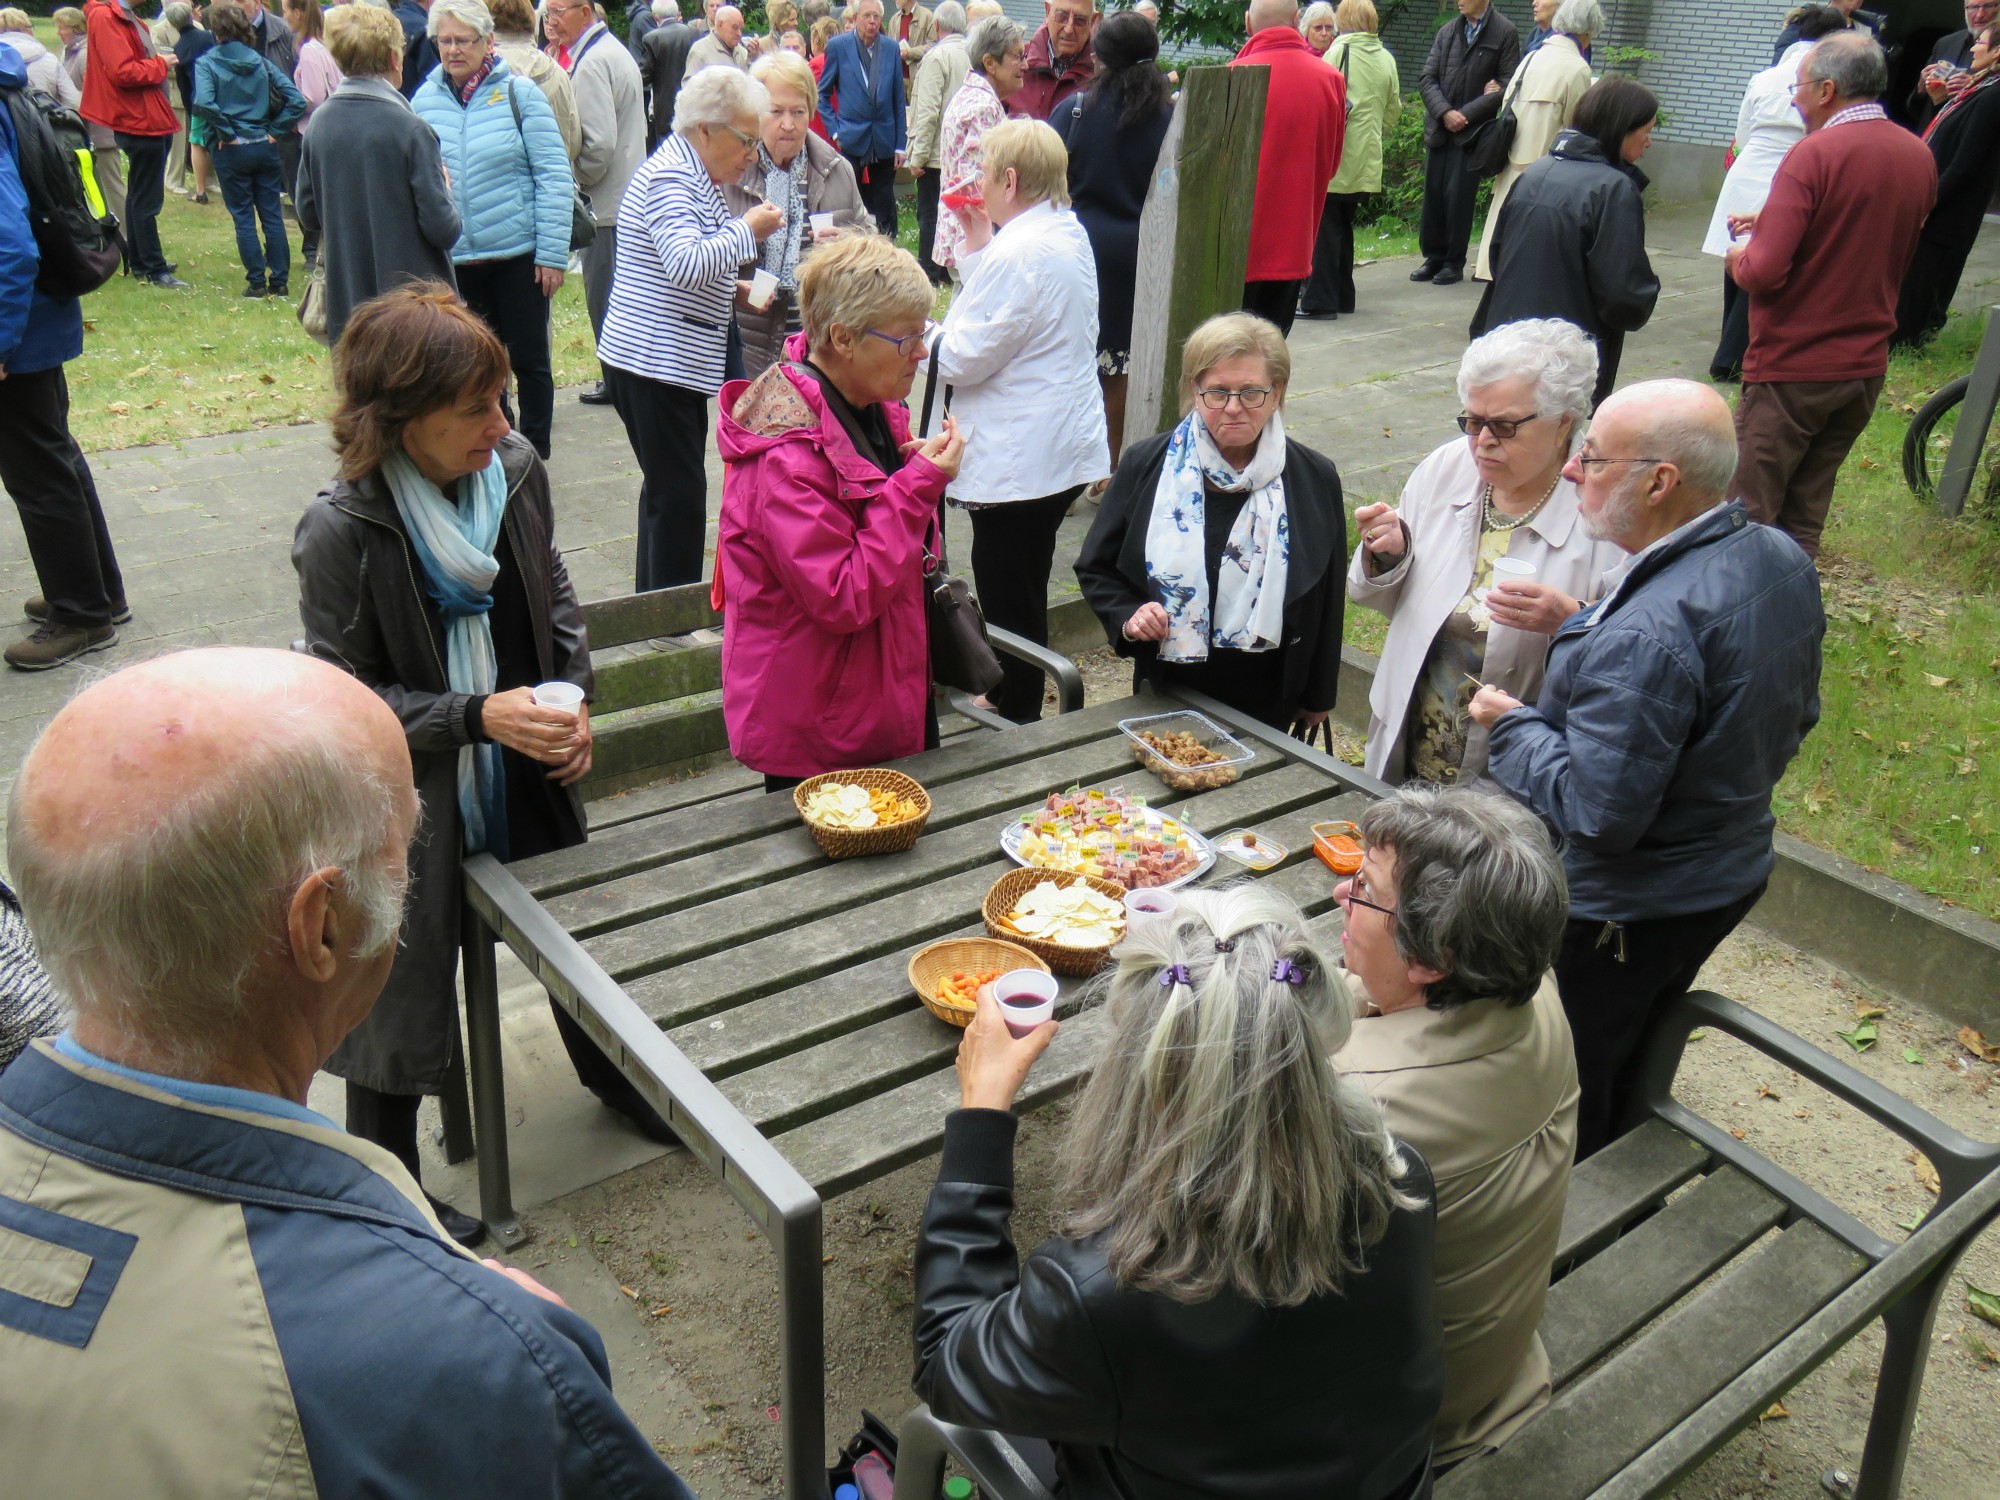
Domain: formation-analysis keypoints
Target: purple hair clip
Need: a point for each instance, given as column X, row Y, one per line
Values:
column 1175, row 974
column 1285, row 971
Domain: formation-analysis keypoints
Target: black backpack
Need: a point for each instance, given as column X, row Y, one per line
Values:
column 79, row 250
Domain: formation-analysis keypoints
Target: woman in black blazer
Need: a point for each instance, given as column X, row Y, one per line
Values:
column 1965, row 142
column 1203, row 522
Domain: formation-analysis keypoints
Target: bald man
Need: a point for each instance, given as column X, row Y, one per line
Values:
column 723, row 45
column 1670, row 709
column 211, row 849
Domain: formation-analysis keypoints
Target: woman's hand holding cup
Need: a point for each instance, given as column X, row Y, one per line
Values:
column 942, row 449
column 992, row 1062
column 1148, row 623
column 1381, row 530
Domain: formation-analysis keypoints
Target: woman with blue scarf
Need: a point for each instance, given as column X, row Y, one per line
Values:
column 1215, row 560
column 429, row 570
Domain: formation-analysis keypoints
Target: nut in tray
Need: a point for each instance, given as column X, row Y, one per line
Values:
column 1188, row 751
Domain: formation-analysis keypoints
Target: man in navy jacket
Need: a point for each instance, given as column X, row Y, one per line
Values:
column 40, row 464
column 1670, row 709
column 865, row 71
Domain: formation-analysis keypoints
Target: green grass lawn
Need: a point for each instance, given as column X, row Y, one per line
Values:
column 1902, row 772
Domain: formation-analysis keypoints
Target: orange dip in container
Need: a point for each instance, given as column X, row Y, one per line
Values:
column 1338, row 846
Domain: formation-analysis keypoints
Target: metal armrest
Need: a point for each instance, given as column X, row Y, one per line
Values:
column 1069, row 681
column 924, row 1441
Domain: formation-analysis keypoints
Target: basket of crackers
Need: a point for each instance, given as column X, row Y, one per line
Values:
column 1070, row 922
column 862, row 812
column 949, row 975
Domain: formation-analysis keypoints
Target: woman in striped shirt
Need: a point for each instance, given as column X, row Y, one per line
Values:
column 667, row 330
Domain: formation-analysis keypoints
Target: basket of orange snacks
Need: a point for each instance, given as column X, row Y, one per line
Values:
column 862, row 812
column 948, row 975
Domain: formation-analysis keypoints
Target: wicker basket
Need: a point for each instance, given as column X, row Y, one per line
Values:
column 1007, row 891
column 930, row 964
column 845, row 843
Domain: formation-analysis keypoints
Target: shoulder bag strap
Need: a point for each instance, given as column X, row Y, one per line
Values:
column 934, row 544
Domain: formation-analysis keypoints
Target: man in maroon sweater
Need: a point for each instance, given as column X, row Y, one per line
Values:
column 1823, row 264
column 1305, row 126
column 1059, row 57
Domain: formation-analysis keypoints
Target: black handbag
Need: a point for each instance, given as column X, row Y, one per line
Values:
column 1487, row 144
column 962, row 656
column 582, row 216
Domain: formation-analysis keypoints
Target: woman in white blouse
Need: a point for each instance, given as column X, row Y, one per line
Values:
column 1767, row 126
column 1019, row 352
column 1456, row 620
column 1544, row 94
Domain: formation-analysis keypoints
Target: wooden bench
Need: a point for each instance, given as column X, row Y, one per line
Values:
column 1697, row 1282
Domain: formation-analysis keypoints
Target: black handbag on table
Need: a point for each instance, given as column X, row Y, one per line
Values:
column 962, row 656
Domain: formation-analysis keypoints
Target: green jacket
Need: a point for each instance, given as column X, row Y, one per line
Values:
column 1374, row 100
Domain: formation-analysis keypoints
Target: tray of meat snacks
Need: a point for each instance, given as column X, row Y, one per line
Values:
column 1190, row 752
column 1110, row 835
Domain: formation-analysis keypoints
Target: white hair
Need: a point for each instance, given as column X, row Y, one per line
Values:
column 666, row 10
column 1579, row 18
column 1704, row 451
column 1559, row 355
column 950, row 18
column 1319, row 13
column 992, row 38
column 472, row 13
column 719, row 96
column 155, row 929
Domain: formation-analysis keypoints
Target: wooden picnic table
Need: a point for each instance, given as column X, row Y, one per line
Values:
column 756, row 991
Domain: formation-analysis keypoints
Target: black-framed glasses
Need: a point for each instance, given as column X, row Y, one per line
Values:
column 1502, row 428
column 1591, row 463
column 908, row 344
column 1356, row 898
column 1251, row 398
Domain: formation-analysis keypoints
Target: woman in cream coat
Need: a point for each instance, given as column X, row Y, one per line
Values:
column 1455, row 620
column 1546, row 89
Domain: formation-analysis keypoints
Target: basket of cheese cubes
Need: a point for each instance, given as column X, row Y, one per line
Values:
column 862, row 812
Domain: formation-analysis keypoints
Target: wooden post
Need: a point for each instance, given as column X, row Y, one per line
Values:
column 1194, row 236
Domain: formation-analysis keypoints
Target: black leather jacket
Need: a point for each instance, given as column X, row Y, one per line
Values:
column 1455, row 76
column 1145, row 1398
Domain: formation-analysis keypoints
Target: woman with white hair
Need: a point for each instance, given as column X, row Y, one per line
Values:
column 510, row 176
column 666, row 333
column 995, row 53
column 803, row 176
column 1544, row 94
column 1239, row 1297
column 1432, row 564
column 1317, row 27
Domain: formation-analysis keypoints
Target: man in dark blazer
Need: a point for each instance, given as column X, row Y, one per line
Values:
column 1950, row 60
column 662, row 55
column 1472, row 57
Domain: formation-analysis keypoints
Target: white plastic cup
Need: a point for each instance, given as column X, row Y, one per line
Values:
column 1149, row 903
column 1027, row 998
column 763, row 286
column 565, row 695
column 821, row 224
column 1517, row 569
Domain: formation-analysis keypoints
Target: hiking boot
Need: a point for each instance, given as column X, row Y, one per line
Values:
column 278, row 289
column 37, row 609
column 254, row 293
column 51, row 645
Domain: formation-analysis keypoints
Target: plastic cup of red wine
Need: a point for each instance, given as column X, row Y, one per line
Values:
column 1027, row 998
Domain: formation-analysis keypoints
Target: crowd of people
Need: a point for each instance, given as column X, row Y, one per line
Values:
column 1604, row 636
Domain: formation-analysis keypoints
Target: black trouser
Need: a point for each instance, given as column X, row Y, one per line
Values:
column 1613, row 978
column 1727, row 361
column 289, row 153
column 600, row 259
column 45, row 471
column 1331, row 287
column 668, row 429
column 1013, row 547
column 1276, row 301
column 145, row 192
column 389, row 1120
column 928, row 187
column 1450, row 189
column 877, row 181
column 506, row 296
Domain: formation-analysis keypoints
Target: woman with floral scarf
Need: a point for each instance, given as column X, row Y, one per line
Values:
column 801, row 175
column 1215, row 560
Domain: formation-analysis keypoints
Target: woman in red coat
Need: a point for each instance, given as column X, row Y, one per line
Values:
column 122, row 91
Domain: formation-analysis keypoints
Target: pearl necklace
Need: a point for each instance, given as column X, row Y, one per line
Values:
column 1494, row 520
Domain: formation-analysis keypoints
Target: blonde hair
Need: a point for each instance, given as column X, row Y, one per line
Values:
column 791, row 71
column 1356, row 15
column 824, row 30
column 1036, row 155
column 1230, row 336
column 71, row 18
column 364, row 39
column 15, row 20
column 782, row 16
column 857, row 281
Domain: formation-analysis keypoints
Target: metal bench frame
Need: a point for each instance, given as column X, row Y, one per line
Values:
column 778, row 1199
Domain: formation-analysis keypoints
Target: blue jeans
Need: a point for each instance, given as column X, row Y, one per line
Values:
column 251, row 180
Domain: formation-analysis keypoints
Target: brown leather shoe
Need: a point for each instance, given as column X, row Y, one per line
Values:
column 37, row 609
column 51, row 645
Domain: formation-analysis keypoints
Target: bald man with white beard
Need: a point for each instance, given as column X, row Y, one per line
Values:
column 212, row 852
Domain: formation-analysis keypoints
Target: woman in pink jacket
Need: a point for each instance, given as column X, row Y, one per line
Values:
column 819, row 546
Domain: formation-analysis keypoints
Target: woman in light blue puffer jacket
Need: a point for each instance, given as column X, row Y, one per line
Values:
column 510, row 178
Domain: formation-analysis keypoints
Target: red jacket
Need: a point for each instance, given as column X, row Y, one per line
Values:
column 1832, row 243
column 1305, row 123
column 1043, row 85
column 122, row 77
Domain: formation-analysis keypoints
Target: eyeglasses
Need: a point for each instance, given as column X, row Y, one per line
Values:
column 747, row 142
column 1593, row 462
column 453, row 43
column 1250, row 399
column 1806, row 83
column 1502, row 428
column 908, row 344
column 1356, row 898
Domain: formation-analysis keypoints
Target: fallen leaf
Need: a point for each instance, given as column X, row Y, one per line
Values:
column 1913, row 1057
column 1859, row 733
column 1740, row 1135
column 1698, row 1035
column 572, row 1242
column 1926, row 1173
column 1936, row 681
column 267, row 377
column 1966, row 766
column 1866, row 1011
column 1765, row 1091
column 1776, row 1413
column 1976, row 1043
column 118, row 408
column 1983, row 1304
column 1861, row 1038
column 1911, row 1225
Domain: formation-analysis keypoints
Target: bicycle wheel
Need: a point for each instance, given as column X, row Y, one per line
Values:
column 1929, row 438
